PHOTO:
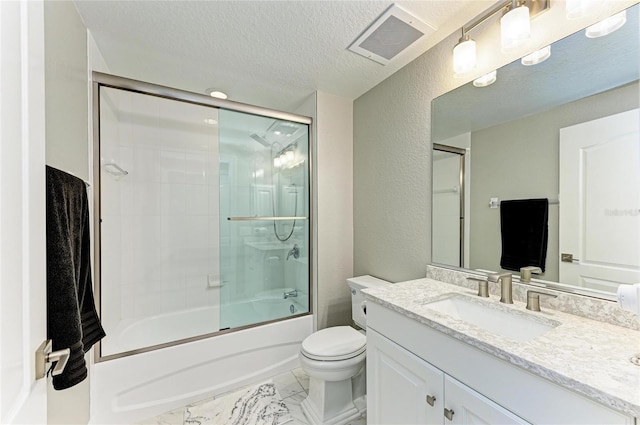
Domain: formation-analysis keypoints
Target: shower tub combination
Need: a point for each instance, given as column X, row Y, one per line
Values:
column 202, row 219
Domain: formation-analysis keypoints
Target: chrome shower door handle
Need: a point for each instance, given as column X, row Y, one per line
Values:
column 46, row 355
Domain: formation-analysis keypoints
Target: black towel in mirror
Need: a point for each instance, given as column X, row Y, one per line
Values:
column 72, row 320
column 524, row 230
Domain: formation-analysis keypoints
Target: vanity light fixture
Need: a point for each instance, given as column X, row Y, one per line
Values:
column 217, row 94
column 537, row 56
column 464, row 55
column 515, row 28
column 486, row 80
column 607, row 26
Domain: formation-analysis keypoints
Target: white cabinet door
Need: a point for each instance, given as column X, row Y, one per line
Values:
column 468, row 407
column 398, row 384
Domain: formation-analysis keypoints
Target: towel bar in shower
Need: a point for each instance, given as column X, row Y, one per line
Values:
column 265, row 218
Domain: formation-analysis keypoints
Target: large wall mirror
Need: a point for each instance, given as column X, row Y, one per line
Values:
column 565, row 131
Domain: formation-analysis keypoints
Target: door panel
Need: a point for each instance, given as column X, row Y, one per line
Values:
column 600, row 202
column 22, row 211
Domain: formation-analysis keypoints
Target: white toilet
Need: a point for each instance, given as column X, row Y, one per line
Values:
column 334, row 358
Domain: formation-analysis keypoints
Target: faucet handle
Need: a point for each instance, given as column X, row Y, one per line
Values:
column 525, row 273
column 483, row 286
column 495, row 277
column 533, row 299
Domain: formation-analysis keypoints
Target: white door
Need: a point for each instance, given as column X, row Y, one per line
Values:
column 467, row 407
column 401, row 387
column 600, row 202
column 22, row 211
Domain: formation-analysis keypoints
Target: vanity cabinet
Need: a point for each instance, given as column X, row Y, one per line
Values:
column 404, row 389
column 408, row 361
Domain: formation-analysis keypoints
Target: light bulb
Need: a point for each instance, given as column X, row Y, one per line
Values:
column 486, row 80
column 283, row 160
column 576, row 9
column 276, row 162
column 607, row 26
column 515, row 28
column 537, row 56
column 464, row 56
column 290, row 155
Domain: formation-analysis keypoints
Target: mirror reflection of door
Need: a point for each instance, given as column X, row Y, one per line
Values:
column 448, row 205
column 600, row 220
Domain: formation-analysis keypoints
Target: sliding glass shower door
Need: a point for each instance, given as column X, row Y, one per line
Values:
column 201, row 217
column 264, row 219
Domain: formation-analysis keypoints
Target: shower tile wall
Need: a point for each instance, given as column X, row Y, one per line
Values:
column 160, row 244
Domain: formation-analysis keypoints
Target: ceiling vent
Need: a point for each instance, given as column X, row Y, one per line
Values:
column 395, row 30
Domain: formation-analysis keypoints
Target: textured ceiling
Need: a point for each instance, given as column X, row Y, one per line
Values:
column 267, row 53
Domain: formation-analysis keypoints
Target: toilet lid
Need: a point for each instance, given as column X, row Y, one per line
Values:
column 336, row 343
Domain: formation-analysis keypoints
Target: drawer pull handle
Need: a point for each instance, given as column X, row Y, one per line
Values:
column 448, row 414
column 431, row 400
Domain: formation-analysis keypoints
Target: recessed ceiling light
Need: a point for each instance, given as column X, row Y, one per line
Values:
column 217, row 93
column 210, row 121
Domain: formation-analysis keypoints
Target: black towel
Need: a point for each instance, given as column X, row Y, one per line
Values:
column 524, row 229
column 72, row 320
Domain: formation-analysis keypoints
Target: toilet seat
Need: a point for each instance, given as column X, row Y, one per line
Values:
column 334, row 344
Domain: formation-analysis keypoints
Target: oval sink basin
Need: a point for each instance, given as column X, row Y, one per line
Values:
column 509, row 323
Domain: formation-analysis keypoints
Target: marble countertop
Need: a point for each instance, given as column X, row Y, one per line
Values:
column 589, row 357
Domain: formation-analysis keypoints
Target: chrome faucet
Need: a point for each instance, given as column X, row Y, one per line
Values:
column 291, row 294
column 525, row 273
column 295, row 251
column 505, row 289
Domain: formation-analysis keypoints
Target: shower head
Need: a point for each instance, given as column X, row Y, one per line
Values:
column 264, row 142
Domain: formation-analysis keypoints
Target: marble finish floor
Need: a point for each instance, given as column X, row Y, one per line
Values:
column 291, row 386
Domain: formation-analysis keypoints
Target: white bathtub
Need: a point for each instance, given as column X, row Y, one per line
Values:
column 141, row 386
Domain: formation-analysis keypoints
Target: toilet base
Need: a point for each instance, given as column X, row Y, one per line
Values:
column 330, row 403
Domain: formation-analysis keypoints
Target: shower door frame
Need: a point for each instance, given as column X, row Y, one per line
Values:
column 99, row 80
column 461, row 193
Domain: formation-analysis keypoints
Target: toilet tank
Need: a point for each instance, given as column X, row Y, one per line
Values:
column 358, row 306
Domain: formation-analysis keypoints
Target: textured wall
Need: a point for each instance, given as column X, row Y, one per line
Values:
column 392, row 168
column 392, row 146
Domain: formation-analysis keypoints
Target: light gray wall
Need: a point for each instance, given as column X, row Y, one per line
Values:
column 333, row 209
column 66, row 89
column 67, row 146
column 392, row 147
column 518, row 160
column 392, row 168
column 334, row 127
